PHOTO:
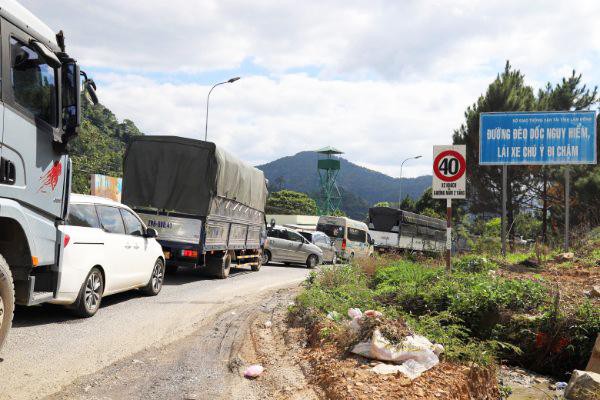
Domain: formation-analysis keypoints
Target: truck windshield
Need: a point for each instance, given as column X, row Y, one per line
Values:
column 33, row 82
column 333, row 231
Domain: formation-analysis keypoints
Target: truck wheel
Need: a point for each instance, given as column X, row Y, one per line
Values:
column 90, row 294
column 219, row 266
column 156, row 279
column 7, row 299
column 259, row 263
column 312, row 261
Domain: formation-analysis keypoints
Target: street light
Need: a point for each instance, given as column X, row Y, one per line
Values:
column 402, row 165
column 208, row 99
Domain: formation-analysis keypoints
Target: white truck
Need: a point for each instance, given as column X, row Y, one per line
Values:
column 395, row 230
column 40, row 111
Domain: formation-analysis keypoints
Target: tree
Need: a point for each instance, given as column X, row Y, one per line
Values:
column 508, row 92
column 100, row 145
column 430, row 206
column 382, row 204
column 291, row 203
column 408, row 204
column 570, row 94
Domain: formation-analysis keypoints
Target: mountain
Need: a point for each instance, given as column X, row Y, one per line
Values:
column 361, row 187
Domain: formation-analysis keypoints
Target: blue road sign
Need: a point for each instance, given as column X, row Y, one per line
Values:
column 523, row 138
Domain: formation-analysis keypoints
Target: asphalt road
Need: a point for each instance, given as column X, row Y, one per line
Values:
column 48, row 348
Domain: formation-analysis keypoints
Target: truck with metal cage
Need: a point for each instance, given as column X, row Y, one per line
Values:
column 395, row 230
column 206, row 205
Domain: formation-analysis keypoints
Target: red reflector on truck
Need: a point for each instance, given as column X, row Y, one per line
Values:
column 344, row 244
column 66, row 240
column 189, row 253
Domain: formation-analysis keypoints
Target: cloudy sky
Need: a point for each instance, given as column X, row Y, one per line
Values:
column 382, row 80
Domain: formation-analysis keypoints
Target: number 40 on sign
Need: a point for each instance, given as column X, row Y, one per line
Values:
column 449, row 172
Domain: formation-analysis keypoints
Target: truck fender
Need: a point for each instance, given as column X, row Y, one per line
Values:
column 38, row 233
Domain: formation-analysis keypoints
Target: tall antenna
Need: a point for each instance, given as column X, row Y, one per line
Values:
column 328, row 167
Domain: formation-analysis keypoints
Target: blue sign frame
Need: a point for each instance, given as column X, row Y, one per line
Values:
column 537, row 138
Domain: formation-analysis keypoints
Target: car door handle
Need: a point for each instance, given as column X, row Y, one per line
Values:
column 127, row 246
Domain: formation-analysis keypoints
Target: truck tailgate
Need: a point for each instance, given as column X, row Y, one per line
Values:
column 175, row 229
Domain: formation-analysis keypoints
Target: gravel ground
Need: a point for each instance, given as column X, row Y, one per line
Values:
column 48, row 349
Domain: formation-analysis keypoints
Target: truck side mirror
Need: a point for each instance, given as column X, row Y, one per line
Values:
column 89, row 89
column 71, row 104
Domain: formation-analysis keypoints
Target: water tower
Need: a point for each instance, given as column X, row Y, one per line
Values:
column 329, row 168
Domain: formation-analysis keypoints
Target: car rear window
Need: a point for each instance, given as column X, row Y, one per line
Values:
column 333, row 231
column 83, row 215
column 356, row 235
column 111, row 220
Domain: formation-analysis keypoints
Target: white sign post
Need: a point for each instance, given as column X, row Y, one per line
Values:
column 449, row 182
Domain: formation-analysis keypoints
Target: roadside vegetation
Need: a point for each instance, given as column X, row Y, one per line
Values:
column 484, row 312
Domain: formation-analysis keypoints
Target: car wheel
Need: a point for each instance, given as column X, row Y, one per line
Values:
column 312, row 261
column 90, row 295
column 266, row 257
column 156, row 279
column 7, row 300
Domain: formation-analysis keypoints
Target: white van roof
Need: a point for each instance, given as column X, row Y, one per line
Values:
column 344, row 221
column 27, row 21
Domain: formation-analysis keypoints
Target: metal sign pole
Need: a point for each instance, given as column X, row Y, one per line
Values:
column 567, row 204
column 449, row 234
column 503, row 221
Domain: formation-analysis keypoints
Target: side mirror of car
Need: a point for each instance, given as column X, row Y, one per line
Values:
column 151, row 233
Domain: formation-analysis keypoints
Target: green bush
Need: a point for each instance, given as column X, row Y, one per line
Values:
column 474, row 263
column 336, row 288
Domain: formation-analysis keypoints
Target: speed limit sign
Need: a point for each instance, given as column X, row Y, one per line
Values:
column 449, row 172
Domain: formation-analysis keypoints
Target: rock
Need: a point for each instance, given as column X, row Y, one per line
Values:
column 562, row 257
column 253, row 371
column 583, row 385
column 530, row 262
column 594, row 362
column 595, row 292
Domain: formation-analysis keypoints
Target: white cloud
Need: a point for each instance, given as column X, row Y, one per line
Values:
column 377, row 124
column 392, row 78
column 387, row 38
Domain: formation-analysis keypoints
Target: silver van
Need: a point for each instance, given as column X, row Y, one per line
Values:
column 288, row 246
column 325, row 243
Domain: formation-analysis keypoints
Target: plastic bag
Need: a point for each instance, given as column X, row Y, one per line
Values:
column 415, row 353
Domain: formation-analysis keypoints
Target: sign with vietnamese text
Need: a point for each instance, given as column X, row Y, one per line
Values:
column 449, row 172
column 525, row 138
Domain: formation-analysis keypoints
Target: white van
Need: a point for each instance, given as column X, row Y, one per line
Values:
column 351, row 237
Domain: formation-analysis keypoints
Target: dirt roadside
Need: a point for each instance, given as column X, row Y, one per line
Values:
column 209, row 364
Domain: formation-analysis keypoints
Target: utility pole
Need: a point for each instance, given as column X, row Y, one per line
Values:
column 504, row 179
column 401, row 166
column 208, row 99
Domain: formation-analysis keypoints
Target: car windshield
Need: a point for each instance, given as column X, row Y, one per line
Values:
column 333, row 231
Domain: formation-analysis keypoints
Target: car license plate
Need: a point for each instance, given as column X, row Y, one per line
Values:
column 167, row 254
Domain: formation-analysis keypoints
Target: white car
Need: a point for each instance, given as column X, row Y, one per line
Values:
column 106, row 250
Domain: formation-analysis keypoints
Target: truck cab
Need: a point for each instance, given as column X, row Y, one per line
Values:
column 40, row 112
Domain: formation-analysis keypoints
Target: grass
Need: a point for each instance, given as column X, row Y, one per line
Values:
column 476, row 314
